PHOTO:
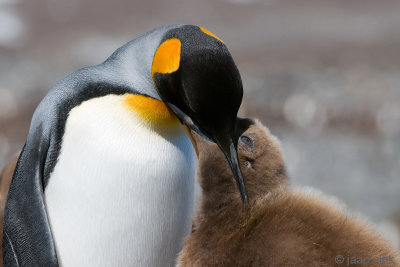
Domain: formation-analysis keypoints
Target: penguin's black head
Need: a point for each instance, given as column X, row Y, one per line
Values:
column 197, row 78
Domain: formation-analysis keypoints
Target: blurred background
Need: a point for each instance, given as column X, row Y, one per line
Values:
column 324, row 76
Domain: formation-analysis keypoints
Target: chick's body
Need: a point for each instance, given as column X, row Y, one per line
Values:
column 280, row 226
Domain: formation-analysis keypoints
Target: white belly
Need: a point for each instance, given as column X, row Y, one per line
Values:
column 121, row 193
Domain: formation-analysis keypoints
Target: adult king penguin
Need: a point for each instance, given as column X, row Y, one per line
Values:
column 106, row 175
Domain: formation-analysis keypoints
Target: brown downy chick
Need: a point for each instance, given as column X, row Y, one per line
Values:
column 279, row 226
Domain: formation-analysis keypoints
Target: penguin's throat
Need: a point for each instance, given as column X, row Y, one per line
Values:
column 151, row 110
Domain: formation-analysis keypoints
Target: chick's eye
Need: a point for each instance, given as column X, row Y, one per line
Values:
column 247, row 141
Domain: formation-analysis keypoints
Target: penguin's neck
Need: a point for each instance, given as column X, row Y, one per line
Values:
column 121, row 193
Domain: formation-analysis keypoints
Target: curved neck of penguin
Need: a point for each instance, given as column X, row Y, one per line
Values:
column 130, row 65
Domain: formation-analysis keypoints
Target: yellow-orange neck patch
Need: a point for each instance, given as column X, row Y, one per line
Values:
column 151, row 110
column 167, row 57
column 211, row 34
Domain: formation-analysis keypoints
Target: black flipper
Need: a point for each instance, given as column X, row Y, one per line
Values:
column 10, row 258
column 25, row 218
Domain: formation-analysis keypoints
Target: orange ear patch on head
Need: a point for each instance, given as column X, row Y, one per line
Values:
column 151, row 110
column 211, row 34
column 167, row 57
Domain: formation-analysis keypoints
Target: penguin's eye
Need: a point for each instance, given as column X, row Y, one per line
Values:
column 247, row 141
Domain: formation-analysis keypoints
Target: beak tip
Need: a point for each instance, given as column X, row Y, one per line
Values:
column 235, row 166
column 242, row 189
column 244, row 198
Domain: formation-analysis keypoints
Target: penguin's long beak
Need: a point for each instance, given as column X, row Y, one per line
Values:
column 228, row 146
column 227, row 142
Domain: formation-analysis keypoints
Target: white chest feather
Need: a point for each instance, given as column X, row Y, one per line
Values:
column 122, row 192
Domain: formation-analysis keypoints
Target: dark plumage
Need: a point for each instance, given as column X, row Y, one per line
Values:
column 280, row 226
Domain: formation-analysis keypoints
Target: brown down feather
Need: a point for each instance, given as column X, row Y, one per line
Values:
column 279, row 226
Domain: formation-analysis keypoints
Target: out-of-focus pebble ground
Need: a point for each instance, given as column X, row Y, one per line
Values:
column 324, row 76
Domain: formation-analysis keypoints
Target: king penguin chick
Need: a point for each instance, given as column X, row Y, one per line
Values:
column 279, row 226
column 106, row 176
